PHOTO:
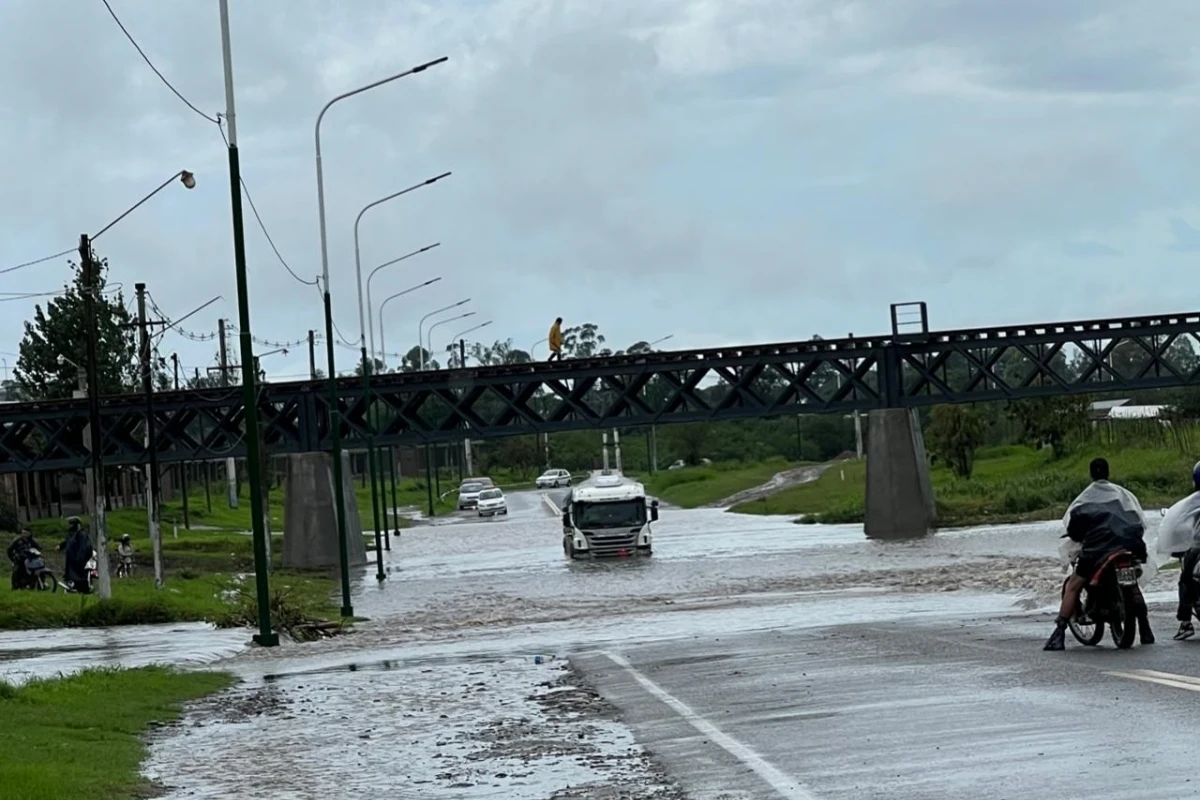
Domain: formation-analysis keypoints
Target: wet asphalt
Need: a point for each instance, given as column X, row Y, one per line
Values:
column 749, row 658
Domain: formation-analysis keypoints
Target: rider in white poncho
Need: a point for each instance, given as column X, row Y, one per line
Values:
column 1179, row 537
column 1103, row 519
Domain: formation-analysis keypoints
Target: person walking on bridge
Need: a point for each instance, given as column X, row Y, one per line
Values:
column 555, row 340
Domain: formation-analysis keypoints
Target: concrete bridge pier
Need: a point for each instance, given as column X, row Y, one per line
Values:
column 899, row 495
column 310, row 537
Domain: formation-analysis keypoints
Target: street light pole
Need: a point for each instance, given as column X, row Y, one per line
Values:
column 371, row 275
column 442, row 322
column 421, row 330
column 383, row 305
column 367, row 367
column 462, row 363
column 534, row 347
column 335, row 415
column 266, row 636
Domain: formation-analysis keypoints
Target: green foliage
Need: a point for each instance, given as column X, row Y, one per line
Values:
column 955, row 432
column 45, row 724
column 697, row 486
column 583, row 341
column 57, row 332
column 1052, row 421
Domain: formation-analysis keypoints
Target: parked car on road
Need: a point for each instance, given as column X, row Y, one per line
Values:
column 491, row 502
column 553, row 478
column 468, row 494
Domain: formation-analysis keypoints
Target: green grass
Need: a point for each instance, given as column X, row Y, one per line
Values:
column 81, row 736
column 223, row 599
column 1009, row 484
column 696, row 486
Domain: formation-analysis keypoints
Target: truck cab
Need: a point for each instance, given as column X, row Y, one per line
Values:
column 608, row 515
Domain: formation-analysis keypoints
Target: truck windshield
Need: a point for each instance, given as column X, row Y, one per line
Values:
column 622, row 514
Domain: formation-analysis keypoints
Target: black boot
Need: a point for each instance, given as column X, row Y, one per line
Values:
column 1058, row 639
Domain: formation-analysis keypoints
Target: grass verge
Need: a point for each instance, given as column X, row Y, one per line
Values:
column 1009, row 484
column 81, row 736
column 697, row 486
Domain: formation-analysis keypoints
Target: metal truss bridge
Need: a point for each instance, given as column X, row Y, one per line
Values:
column 900, row 370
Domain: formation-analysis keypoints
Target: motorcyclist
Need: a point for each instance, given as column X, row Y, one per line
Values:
column 17, row 551
column 78, row 550
column 1104, row 518
column 1179, row 537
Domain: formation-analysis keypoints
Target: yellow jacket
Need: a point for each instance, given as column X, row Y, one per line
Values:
column 555, row 338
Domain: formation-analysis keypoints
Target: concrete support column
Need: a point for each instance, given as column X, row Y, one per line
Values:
column 899, row 495
column 310, row 533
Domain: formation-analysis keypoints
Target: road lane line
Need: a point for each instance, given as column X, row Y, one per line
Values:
column 783, row 785
column 546, row 499
column 1162, row 678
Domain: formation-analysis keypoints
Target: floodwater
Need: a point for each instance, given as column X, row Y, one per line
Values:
column 461, row 683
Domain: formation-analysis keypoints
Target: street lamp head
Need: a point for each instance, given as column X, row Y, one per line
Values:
column 188, row 179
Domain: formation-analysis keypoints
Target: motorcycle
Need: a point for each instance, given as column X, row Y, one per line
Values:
column 124, row 566
column 91, row 574
column 36, row 575
column 1110, row 596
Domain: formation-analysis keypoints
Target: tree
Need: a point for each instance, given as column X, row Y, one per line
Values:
column 57, row 336
column 412, row 360
column 377, row 367
column 1052, row 421
column 499, row 352
column 955, row 433
column 582, row 341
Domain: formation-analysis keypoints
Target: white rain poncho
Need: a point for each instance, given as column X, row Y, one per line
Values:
column 1179, row 531
column 1109, row 516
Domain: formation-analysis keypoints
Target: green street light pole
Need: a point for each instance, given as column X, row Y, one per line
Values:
column 367, row 367
column 265, row 637
column 335, row 414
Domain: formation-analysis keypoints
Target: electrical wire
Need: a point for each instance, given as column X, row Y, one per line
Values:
column 150, row 64
column 258, row 217
column 6, row 270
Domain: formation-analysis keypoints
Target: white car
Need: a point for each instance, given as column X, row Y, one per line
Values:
column 491, row 502
column 553, row 478
column 468, row 495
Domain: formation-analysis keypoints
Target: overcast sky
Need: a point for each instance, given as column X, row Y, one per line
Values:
column 727, row 171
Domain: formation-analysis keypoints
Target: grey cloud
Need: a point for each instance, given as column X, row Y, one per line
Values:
column 1089, row 250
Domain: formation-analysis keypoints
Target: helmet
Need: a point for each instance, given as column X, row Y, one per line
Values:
column 125, row 538
column 1196, row 473
column 73, row 522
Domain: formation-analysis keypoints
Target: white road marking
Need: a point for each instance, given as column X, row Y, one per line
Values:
column 1186, row 682
column 546, row 499
column 783, row 785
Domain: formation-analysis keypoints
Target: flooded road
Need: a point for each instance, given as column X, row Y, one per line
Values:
column 748, row 658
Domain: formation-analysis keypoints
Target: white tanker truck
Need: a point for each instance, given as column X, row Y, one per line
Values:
column 608, row 515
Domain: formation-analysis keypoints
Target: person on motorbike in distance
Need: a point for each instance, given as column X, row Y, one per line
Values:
column 79, row 550
column 1102, row 524
column 1179, row 537
column 17, row 553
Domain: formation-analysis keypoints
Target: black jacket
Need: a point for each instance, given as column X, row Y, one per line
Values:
column 19, row 546
column 1103, row 528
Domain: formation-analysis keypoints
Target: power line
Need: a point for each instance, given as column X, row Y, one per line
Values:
column 254, row 209
column 38, row 261
column 150, row 64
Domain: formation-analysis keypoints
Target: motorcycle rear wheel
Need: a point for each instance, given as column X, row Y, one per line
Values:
column 1086, row 631
column 1124, row 624
column 45, row 582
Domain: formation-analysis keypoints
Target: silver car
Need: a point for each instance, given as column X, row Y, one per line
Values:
column 553, row 478
column 491, row 502
column 468, row 495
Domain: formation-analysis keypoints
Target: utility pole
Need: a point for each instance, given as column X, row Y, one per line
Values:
column 183, row 468
column 98, row 525
column 152, row 488
column 266, row 636
column 462, row 363
column 230, row 463
column 312, row 355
